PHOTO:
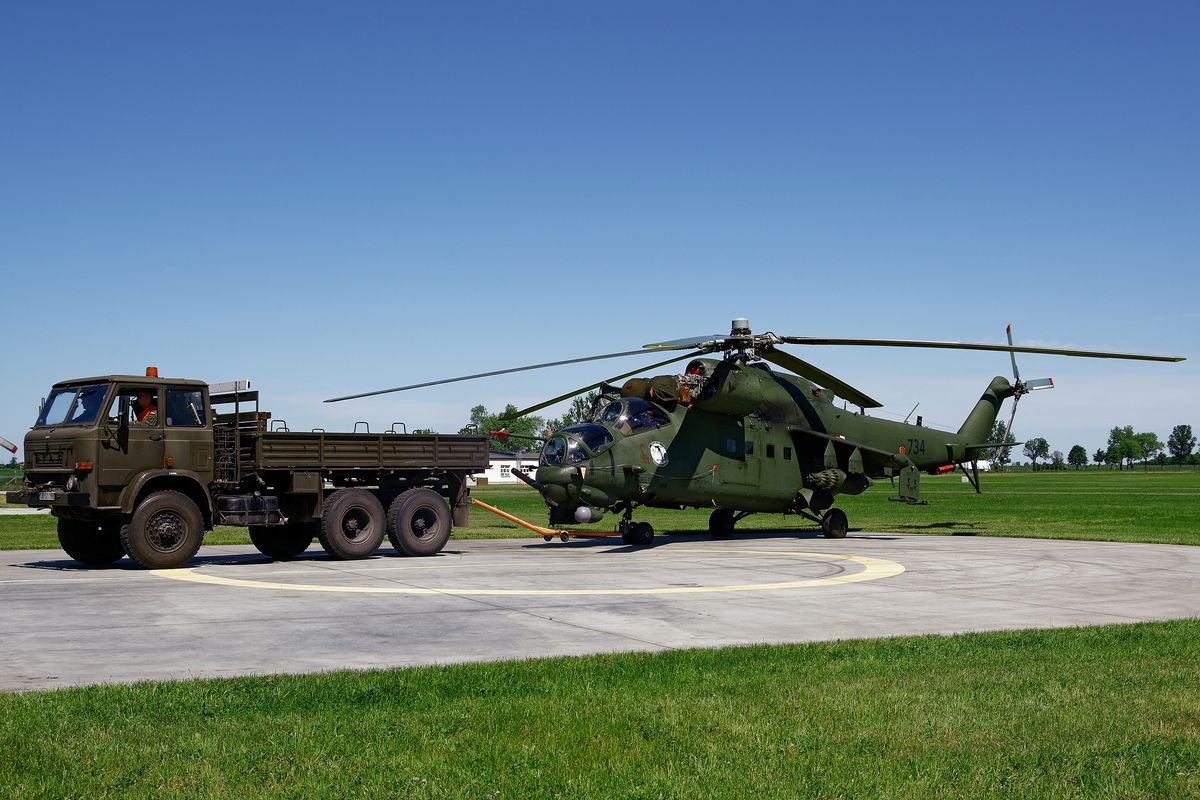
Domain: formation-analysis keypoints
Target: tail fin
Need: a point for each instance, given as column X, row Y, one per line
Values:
column 978, row 426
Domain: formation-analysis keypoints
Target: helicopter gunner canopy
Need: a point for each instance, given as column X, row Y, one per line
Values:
column 633, row 415
column 575, row 444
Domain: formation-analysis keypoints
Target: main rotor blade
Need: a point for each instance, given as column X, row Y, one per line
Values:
column 596, row 385
column 818, row 375
column 691, row 341
column 498, row 372
column 1052, row 351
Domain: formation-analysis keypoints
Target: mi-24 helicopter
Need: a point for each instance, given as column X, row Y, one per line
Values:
column 732, row 434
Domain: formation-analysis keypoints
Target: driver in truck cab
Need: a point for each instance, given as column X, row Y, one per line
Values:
column 145, row 412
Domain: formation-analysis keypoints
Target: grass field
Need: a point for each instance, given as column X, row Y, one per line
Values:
column 1102, row 712
column 1130, row 506
column 1108, row 712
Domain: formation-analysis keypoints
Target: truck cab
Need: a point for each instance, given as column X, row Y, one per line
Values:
column 97, row 441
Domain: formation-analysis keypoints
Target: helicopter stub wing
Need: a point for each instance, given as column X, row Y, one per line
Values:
column 899, row 458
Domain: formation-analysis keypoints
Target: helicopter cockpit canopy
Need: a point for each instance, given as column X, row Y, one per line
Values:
column 632, row 415
column 575, row 443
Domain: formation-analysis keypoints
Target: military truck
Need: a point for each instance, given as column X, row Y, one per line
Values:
column 143, row 466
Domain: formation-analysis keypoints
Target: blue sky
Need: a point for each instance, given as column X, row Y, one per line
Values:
column 330, row 198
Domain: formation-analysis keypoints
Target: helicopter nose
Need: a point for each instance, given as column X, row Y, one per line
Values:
column 560, row 484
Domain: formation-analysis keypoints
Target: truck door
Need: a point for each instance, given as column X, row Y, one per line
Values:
column 189, row 441
column 129, row 449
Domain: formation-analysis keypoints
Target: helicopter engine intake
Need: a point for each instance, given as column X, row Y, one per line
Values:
column 736, row 392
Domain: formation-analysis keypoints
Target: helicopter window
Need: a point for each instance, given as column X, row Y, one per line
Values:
column 592, row 435
column 575, row 453
column 634, row 415
column 611, row 413
column 555, row 450
column 749, row 448
column 770, row 451
column 787, row 454
column 731, row 446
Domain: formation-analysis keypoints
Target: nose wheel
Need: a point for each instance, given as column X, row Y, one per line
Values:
column 636, row 533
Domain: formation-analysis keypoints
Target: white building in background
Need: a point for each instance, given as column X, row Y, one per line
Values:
column 500, row 470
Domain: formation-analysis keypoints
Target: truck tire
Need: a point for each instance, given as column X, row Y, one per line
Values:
column 419, row 522
column 283, row 542
column 92, row 543
column 352, row 524
column 165, row 532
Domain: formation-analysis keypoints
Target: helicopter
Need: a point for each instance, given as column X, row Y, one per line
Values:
column 732, row 434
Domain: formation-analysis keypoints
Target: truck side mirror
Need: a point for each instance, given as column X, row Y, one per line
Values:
column 123, row 422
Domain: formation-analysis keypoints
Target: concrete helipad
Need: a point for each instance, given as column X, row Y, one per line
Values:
column 233, row 612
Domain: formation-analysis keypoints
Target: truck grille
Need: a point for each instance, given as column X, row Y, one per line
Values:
column 51, row 458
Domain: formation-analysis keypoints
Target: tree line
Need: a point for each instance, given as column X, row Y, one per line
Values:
column 525, row 433
column 1124, row 447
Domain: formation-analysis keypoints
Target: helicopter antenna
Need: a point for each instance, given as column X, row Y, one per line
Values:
column 910, row 413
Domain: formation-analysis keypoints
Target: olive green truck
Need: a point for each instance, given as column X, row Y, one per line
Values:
column 143, row 466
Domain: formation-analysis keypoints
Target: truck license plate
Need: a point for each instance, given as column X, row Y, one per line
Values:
column 45, row 495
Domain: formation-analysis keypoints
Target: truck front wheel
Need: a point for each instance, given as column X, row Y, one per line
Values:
column 351, row 524
column 92, row 543
column 418, row 522
column 165, row 531
column 283, row 542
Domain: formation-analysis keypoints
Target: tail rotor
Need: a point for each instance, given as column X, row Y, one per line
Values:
column 1020, row 387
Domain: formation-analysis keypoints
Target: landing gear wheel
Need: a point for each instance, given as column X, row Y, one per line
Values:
column 92, row 543
column 638, row 533
column 283, row 542
column 165, row 531
column 351, row 524
column 418, row 522
column 720, row 523
column 834, row 524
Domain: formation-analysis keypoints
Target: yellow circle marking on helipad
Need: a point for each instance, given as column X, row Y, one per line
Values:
column 872, row 569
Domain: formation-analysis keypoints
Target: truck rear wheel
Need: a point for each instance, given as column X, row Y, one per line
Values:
column 165, row 532
column 418, row 522
column 352, row 524
column 91, row 543
column 283, row 542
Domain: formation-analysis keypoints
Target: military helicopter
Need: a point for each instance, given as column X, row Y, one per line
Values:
column 734, row 435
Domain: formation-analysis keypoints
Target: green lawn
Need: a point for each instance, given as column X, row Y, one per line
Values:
column 1129, row 506
column 1101, row 712
column 1108, row 712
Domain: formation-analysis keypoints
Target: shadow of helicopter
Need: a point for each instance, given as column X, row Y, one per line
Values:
column 955, row 528
column 614, row 545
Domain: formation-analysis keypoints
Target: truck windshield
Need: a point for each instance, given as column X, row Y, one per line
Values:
column 75, row 405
